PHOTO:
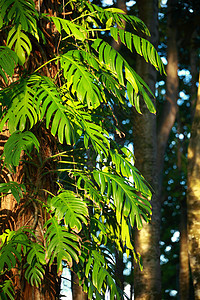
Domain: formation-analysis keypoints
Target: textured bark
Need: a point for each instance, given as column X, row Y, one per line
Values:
column 147, row 283
column 29, row 212
column 193, row 199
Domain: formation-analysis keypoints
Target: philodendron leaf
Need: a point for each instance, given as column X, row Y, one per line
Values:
column 70, row 207
column 14, row 188
column 16, row 143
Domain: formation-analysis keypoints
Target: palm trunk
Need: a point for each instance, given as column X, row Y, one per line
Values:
column 147, row 283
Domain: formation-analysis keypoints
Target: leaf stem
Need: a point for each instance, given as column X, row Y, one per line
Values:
column 46, row 63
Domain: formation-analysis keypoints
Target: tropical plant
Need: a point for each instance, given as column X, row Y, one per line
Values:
column 56, row 125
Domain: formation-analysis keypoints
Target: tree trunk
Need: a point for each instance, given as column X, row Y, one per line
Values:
column 147, row 283
column 121, row 4
column 169, row 110
column 184, row 271
column 185, row 290
column 77, row 291
column 193, row 198
column 29, row 212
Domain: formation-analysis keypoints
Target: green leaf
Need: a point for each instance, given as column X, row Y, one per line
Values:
column 113, row 60
column 69, row 206
column 21, row 43
column 116, row 15
column 124, row 166
column 78, row 77
column 49, row 103
column 9, row 256
column 79, row 32
column 7, row 290
column 8, row 61
column 21, row 12
column 142, row 46
column 16, row 143
column 99, row 276
column 125, row 197
column 61, row 244
column 34, row 274
column 21, row 110
column 14, row 188
column 36, row 254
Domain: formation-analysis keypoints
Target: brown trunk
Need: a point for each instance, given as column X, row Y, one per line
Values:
column 194, row 71
column 170, row 107
column 121, row 4
column 29, row 212
column 193, row 199
column 147, row 283
column 184, row 272
column 77, row 291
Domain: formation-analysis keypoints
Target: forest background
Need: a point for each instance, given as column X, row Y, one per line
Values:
column 166, row 149
column 176, row 36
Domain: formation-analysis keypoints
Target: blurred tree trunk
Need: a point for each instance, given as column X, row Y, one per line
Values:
column 193, row 198
column 169, row 110
column 147, row 283
column 184, row 272
column 121, row 4
column 168, row 117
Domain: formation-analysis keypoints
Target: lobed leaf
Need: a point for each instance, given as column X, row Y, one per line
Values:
column 68, row 206
column 16, row 143
column 9, row 256
column 49, row 104
column 125, row 197
column 21, row 43
column 79, row 77
column 20, row 111
column 61, row 244
column 79, row 32
column 116, row 63
column 21, row 12
column 7, row 290
column 8, row 61
column 14, row 188
column 34, row 274
column 142, row 46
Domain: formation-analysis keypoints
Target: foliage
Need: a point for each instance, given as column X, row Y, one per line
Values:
column 99, row 199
